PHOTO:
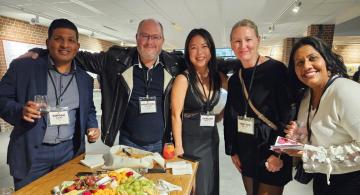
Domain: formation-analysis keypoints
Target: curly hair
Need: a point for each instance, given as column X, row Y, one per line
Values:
column 334, row 62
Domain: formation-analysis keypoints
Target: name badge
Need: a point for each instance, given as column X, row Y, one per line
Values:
column 207, row 120
column 147, row 105
column 246, row 125
column 59, row 116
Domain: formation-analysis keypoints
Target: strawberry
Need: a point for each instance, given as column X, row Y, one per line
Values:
column 86, row 193
column 130, row 173
column 102, row 186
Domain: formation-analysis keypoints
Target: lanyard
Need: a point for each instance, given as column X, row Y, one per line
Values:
column 147, row 79
column 62, row 93
column 329, row 82
column 207, row 103
column 250, row 87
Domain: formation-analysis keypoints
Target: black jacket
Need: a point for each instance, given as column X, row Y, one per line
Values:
column 113, row 67
column 356, row 76
column 115, row 70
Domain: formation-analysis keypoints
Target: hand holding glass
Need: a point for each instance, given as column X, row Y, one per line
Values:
column 42, row 101
column 300, row 133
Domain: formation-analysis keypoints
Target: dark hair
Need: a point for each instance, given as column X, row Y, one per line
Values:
column 334, row 62
column 62, row 23
column 212, row 65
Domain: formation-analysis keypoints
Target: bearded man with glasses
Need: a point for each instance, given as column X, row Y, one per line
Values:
column 135, row 86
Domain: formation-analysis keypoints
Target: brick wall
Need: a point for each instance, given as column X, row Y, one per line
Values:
column 287, row 45
column 20, row 31
column 322, row 31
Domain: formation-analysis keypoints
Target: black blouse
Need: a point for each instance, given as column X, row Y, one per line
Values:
column 270, row 94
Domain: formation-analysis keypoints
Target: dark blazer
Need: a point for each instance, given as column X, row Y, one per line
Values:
column 25, row 79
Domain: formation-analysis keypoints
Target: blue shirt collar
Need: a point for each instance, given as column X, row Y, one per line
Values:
column 53, row 67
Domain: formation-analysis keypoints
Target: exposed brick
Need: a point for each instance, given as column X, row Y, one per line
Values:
column 322, row 31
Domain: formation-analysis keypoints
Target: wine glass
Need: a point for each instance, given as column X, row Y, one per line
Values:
column 169, row 151
column 42, row 101
column 300, row 133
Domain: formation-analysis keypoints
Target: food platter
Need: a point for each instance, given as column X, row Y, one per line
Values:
column 124, row 181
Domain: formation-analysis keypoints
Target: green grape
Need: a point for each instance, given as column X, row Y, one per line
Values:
column 137, row 188
column 121, row 187
column 136, row 183
column 143, row 181
column 130, row 179
column 131, row 192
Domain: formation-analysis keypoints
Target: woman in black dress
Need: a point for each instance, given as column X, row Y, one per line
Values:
column 195, row 93
column 248, row 138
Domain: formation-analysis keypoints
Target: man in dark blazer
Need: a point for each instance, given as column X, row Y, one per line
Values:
column 42, row 141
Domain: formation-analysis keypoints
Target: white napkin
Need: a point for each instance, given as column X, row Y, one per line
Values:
column 93, row 160
column 177, row 164
column 164, row 187
column 185, row 170
column 180, row 167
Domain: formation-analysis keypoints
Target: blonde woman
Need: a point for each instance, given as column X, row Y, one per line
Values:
column 247, row 137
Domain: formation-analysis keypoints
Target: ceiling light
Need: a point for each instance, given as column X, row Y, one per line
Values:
column 34, row 20
column 271, row 28
column 177, row 26
column 296, row 7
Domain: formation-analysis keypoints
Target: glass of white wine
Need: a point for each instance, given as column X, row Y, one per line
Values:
column 42, row 101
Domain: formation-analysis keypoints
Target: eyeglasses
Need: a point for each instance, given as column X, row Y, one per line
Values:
column 150, row 37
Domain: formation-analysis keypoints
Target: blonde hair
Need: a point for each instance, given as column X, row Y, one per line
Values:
column 246, row 23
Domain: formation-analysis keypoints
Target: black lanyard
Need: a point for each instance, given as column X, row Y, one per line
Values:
column 207, row 103
column 250, row 87
column 329, row 82
column 62, row 93
column 147, row 79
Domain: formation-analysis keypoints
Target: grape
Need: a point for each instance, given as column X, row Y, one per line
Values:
column 137, row 188
column 136, row 183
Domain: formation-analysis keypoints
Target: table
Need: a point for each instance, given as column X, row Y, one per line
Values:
column 67, row 172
